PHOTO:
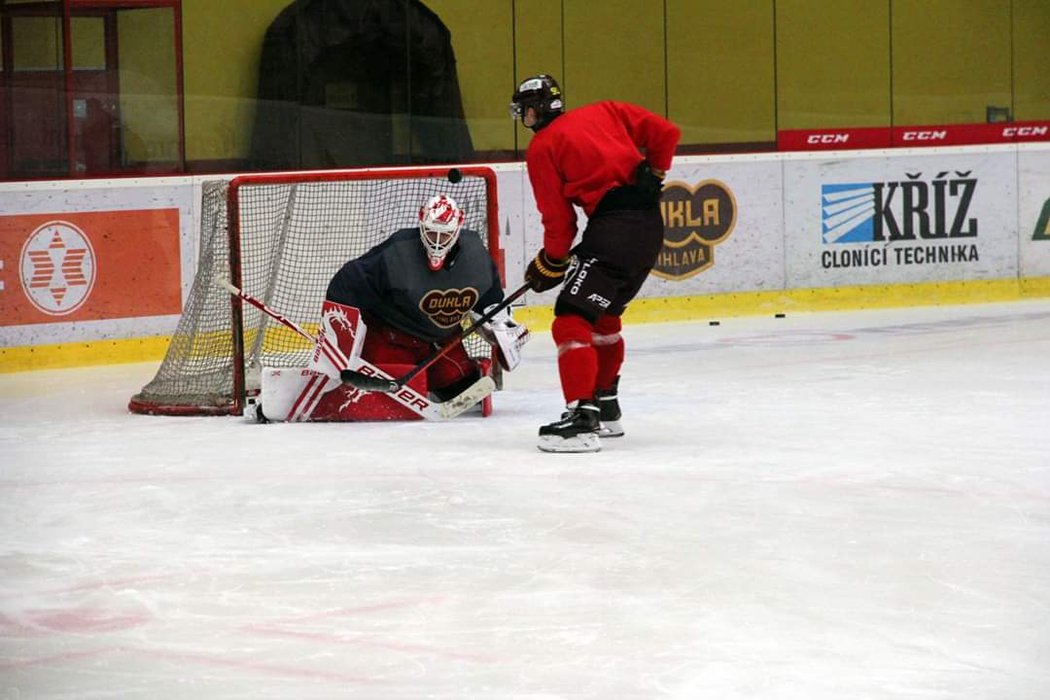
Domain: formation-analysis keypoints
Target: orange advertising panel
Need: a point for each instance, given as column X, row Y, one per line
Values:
column 89, row 266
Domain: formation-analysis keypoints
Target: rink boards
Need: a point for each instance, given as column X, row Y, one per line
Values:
column 95, row 272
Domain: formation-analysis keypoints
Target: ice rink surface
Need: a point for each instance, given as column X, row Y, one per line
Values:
column 837, row 506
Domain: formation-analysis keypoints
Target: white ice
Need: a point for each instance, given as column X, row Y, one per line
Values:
column 838, row 506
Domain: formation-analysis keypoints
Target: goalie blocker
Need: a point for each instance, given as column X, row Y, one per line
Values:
column 316, row 393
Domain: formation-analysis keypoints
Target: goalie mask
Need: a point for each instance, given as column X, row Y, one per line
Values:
column 439, row 223
column 541, row 92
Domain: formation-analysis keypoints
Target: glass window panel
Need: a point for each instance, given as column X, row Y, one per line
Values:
column 613, row 62
column 88, row 42
column 1031, row 29
column 148, row 91
column 538, row 48
column 36, row 43
column 833, row 66
column 945, row 70
column 37, row 128
column 720, row 71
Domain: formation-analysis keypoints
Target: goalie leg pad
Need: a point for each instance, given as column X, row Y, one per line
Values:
column 339, row 340
column 302, row 394
column 345, row 403
column 291, row 394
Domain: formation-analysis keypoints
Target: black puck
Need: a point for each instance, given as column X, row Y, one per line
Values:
column 713, row 323
column 778, row 315
column 454, row 175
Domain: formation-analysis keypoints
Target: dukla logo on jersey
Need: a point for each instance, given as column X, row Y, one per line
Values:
column 696, row 219
column 446, row 307
column 932, row 214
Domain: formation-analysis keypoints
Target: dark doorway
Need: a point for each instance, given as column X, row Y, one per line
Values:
column 347, row 83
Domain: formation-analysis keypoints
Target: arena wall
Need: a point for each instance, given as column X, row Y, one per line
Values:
column 744, row 234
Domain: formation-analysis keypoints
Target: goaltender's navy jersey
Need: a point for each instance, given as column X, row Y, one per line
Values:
column 392, row 282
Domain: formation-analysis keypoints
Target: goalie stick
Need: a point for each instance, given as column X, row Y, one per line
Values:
column 367, row 382
column 445, row 410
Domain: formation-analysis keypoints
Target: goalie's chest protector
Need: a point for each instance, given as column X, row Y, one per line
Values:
column 429, row 304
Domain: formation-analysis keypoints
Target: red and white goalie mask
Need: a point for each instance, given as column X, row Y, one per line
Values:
column 439, row 223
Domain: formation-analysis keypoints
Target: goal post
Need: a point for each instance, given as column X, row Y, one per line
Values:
column 280, row 237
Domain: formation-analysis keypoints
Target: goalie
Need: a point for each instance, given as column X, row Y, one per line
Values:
column 387, row 311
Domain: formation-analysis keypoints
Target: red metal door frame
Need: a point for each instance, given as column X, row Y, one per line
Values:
column 68, row 9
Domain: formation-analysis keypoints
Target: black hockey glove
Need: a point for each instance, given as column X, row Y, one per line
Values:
column 648, row 182
column 543, row 273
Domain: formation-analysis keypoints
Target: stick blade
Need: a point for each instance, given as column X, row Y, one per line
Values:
column 473, row 393
column 366, row 382
column 221, row 281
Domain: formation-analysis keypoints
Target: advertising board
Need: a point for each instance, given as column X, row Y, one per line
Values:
column 900, row 218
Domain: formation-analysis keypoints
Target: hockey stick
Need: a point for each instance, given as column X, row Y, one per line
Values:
column 372, row 383
column 225, row 283
column 444, row 410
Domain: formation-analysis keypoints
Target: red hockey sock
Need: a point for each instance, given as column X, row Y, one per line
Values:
column 609, row 345
column 577, row 358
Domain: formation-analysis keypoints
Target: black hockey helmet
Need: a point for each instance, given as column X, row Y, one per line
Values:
column 541, row 92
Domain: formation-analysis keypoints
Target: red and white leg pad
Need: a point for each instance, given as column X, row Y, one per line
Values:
column 345, row 403
column 339, row 340
column 303, row 394
column 316, row 393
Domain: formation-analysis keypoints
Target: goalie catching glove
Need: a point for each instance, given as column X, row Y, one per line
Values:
column 505, row 335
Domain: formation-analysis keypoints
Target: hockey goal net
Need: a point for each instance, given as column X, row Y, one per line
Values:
column 280, row 238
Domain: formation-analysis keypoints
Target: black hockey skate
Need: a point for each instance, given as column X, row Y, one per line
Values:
column 609, row 411
column 577, row 431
